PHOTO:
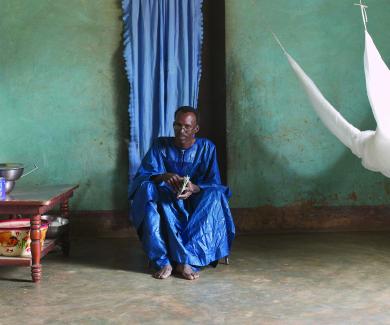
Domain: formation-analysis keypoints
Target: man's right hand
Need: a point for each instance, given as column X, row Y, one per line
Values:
column 174, row 180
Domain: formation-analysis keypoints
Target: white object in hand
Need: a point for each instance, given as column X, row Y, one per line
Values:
column 185, row 182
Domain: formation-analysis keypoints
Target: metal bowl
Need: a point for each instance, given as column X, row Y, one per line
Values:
column 10, row 171
column 57, row 225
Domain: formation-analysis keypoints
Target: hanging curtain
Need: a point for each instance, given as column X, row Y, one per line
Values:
column 162, row 50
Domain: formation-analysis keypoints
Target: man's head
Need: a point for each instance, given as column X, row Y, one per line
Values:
column 185, row 126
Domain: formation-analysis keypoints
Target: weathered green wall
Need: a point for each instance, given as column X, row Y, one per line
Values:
column 63, row 99
column 279, row 151
column 63, row 96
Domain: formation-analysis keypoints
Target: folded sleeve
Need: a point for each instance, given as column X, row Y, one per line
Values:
column 152, row 164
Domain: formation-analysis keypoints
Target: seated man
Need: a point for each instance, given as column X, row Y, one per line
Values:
column 181, row 230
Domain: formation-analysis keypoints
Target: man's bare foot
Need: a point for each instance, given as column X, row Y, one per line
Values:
column 186, row 272
column 164, row 272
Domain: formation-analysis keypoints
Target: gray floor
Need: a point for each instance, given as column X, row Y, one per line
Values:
column 317, row 278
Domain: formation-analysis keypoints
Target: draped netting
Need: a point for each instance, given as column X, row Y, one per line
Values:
column 373, row 147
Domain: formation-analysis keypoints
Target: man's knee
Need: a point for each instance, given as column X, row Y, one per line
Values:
column 147, row 191
column 213, row 192
column 148, row 186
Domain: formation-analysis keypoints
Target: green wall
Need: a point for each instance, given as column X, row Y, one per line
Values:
column 279, row 152
column 64, row 95
column 63, row 99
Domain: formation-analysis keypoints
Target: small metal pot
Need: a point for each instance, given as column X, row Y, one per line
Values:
column 11, row 172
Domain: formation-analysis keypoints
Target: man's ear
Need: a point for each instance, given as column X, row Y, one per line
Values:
column 196, row 130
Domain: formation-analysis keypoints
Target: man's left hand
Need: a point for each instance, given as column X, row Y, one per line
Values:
column 189, row 190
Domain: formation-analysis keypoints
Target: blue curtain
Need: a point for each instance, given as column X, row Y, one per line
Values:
column 162, row 50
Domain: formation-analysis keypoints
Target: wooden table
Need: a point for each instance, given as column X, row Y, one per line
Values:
column 35, row 201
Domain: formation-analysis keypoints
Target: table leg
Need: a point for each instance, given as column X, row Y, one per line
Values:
column 65, row 240
column 64, row 207
column 35, row 234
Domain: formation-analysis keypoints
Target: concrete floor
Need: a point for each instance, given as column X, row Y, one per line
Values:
column 312, row 278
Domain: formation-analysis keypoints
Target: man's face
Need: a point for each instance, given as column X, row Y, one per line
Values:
column 185, row 127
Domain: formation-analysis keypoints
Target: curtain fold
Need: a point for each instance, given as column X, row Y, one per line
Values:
column 162, row 51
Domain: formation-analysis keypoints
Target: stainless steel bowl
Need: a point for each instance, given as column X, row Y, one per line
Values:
column 57, row 225
column 10, row 171
column 9, row 186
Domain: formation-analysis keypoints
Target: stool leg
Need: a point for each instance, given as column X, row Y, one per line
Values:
column 227, row 260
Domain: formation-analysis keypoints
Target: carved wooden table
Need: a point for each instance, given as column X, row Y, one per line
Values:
column 36, row 201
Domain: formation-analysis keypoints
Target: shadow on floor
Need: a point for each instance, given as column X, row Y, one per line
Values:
column 126, row 254
column 111, row 253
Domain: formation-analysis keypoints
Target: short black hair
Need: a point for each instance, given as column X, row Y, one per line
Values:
column 188, row 109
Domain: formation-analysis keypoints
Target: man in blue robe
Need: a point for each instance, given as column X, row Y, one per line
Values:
column 182, row 230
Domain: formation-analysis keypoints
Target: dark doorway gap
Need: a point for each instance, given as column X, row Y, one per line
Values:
column 212, row 91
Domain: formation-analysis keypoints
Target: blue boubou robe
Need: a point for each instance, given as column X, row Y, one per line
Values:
column 195, row 231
